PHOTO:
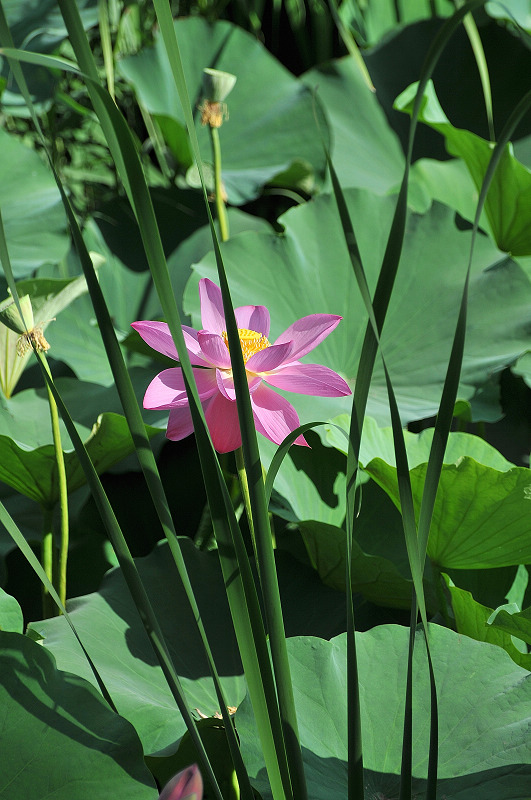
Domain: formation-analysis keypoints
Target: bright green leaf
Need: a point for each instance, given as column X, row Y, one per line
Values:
column 508, row 203
column 11, row 618
column 25, row 417
column 33, row 472
column 477, row 684
column 481, row 515
column 32, row 211
column 378, row 443
column 518, row 625
column 471, row 619
column 109, row 626
column 108, row 623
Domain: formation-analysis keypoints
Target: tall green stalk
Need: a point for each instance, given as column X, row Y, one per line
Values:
column 47, row 559
column 17, row 315
column 221, row 208
column 244, row 487
column 60, row 579
column 250, row 471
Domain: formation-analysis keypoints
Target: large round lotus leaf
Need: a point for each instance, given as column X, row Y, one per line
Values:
column 380, row 566
column 192, row 250
column 306, row 270
column 484, row 714
column 109, row 626
column 365, row 150
column 60, row 739
column 32, row 211
column 481, row 511
column 271, row 120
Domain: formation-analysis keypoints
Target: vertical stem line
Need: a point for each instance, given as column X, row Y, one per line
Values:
column 244, row 486
column 221, row 209
column 47, row 558
column 60, row 583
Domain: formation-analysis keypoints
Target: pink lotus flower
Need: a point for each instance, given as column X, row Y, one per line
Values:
column 186, row 785
column 277, row 364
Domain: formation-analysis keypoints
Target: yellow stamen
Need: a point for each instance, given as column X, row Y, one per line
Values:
column 251, row 342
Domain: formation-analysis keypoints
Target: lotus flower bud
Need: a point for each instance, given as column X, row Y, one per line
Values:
column 216, row 87
column 186, row 785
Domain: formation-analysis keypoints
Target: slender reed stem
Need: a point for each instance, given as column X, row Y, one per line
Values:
column 221, row 209
column 60, row 583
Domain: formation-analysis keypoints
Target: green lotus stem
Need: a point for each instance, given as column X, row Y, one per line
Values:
column 60, row 583
column 244, row 486
column 221, row 209
column 234, row 787
column 47, row 559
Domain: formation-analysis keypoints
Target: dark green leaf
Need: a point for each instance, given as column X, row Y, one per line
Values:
column 59, row 737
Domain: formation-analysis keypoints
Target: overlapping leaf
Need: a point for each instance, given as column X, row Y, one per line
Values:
column 471, row 619
column 33, row 472
column 476, row 758
column 508, row 203
column 311, row 261
column 27, row 460
column 271, row 121
column 365, row 150
column 48, row 298
column 481, row 512
column 109, row 626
